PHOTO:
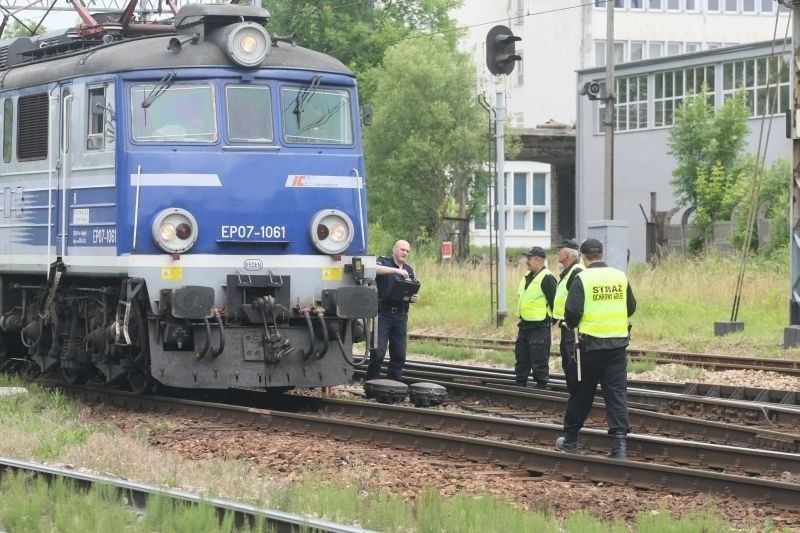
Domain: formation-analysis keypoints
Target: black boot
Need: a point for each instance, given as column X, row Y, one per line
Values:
column 568, row 443
column 618, row 447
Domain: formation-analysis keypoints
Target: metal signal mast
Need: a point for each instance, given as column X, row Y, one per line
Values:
column 791, row 334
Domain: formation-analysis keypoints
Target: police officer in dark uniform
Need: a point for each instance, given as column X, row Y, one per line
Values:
column 536, row 292
column 392, row 315
column 599, row 303
column 568, row 256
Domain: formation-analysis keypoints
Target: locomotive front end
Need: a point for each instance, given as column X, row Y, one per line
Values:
column 249, row 179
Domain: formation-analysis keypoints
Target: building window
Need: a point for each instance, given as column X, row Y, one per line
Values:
column 631, row 107
column 731, row 6
column 673, row 5
column 712, row 46
column 753, row 75
column 520, row 188
column 692, row 47
column 748, row 6
column 520, row 68
column 539, row 221
column 519, row 12
column 691, row 5
column 673, row 86
column 637, row 50
column 637, row 4
column 599, row 53
column 674, row 48
column 655, row 5
column 480, row 220
column 766, row 6
column 713, row 6
column 539, row 189
column 655, row 50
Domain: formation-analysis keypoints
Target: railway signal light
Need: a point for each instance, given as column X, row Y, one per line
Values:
column 500, row 50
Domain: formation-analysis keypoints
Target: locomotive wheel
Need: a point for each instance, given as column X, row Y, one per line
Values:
column 74, row 376
column 139, row 378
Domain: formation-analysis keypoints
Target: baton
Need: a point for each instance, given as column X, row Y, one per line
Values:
column 578, row 352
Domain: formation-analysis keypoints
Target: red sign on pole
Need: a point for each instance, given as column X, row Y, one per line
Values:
column 447, row 250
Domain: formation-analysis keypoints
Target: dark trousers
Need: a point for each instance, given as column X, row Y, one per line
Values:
column 608, row 368
column 568, row 361
column 532, row 352
column 392, row 329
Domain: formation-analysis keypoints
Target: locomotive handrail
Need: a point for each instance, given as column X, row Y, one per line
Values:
column 360, row 213
column 66, row 112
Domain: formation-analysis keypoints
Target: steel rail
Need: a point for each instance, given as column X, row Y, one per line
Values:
column 659, row 449
column 784, row 366
column 719, row 409
column 478, row 375
column 537, row 461
column 139, row 494
column 641, row 420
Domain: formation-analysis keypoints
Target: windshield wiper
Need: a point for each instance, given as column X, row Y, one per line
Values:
column 159, row 89
column 304, row 95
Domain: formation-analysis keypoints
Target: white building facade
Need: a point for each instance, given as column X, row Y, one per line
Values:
column 561, row 37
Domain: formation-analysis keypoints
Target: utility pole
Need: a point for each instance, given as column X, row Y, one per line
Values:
column 501, row 57
column 608, row 120
column 791, row 334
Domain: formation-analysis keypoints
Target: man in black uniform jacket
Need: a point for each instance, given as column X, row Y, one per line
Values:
column 392, row 314
column 599, row 302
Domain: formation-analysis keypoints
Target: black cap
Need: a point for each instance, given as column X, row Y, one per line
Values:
column 536, row 251
column 591, row 246
column 568, row 243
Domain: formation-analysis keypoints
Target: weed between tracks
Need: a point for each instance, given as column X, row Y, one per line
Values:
column 44, row 425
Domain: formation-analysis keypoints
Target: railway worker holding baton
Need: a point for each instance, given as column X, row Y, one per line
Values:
column 599, row 303
column 536, row 292
column 392, row 314
column 570, row 267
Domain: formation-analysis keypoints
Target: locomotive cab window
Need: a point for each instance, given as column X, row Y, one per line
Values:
column 249, row 114
column 100, row 120
column 32, row 124
column 316, row 116
column 180, row 113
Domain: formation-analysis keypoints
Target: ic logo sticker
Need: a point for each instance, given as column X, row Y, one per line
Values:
column 253, row 265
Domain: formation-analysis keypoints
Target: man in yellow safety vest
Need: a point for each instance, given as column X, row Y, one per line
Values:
column 568, row 256
column 599, row 303
column 536, row 292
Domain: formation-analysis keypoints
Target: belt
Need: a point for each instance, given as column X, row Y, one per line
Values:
column 392, row 310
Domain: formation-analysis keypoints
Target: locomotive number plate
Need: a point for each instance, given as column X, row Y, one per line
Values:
column 252, row 233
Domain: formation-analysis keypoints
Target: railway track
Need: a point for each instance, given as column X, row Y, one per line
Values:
column 138, row 494
column 707, row 361
column 437, row 433
column 485, row 375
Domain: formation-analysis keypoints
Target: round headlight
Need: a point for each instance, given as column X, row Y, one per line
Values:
column 248, row 44
column 331, row 231
column 175, row 230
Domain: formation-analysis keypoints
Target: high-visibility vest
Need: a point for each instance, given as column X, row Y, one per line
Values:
column 560, row 300
column 532, row 302
column 605, row 303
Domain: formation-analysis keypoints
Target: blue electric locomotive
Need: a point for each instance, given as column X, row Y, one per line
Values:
column 182, row 204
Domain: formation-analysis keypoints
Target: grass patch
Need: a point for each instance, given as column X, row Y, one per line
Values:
column 31, row 504
column 42, row 422
column 677, row 303
column 458, row 353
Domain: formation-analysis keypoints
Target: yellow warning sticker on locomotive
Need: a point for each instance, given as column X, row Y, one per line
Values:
column 332, row 274
column 172, row 273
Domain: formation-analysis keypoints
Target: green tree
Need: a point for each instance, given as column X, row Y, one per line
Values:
column 428, row 139
column 20, row 28
column 774, row 192
column 702, row 139
column 359, row 33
